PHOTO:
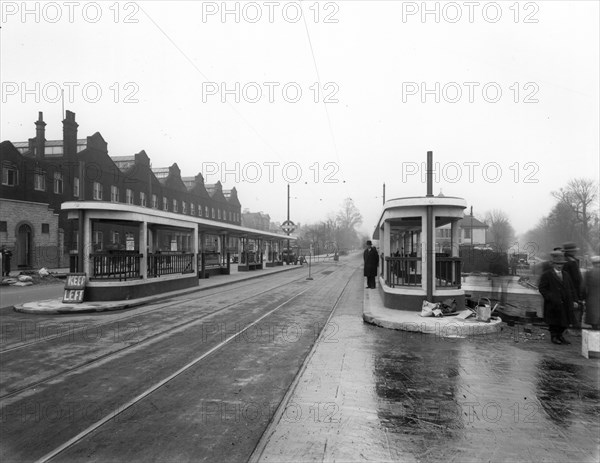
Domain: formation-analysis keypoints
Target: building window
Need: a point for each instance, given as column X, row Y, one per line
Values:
column 142, row 199
column 165, row 204
column 128, row 196
column 183, row 207
column 219, row 213
column 175, row 208
column 114, row 194
column 76, row 187
column 45, row 228
column 467, row 233
column 206, row 212
column 97, row 191
column 39, row 180
column 3, row 226
column 230, row 219
column 9, row 175
column 115, row 238
column 58, row 183
column 154, row 201
column 213, row 212
column 192, row 209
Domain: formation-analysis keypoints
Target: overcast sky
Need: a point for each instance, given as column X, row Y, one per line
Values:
column 335, row 98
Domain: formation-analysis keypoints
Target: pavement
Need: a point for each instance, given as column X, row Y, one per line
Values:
column 367, row 393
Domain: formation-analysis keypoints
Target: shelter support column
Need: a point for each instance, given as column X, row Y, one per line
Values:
column 144, row 249
column 87, row 244
column 386, row 247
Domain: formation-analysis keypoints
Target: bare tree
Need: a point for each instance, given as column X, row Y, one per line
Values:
column 501, row 232
column 581, row 197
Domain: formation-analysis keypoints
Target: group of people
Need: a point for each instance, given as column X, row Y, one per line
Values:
column 566, row 292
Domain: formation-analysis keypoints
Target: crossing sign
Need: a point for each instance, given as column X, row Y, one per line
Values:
column 288, row 226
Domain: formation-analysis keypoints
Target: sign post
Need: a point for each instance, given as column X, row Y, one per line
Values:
column 74, row 287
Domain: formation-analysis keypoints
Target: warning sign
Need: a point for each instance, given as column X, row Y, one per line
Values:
column 74, row 287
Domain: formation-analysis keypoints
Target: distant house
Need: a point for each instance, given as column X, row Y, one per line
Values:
column 468, row 227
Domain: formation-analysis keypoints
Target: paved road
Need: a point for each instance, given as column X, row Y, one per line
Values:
column 195, row 378
column 14, row 295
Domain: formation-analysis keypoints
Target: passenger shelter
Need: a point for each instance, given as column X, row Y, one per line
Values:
column 163, row 251
column 414, row 267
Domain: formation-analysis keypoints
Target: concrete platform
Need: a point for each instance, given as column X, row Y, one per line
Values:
column 56, row 306
column 375, row 313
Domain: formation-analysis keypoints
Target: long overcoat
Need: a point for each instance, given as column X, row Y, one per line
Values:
column 592, row 301
column 558, row 298
column 371, row 258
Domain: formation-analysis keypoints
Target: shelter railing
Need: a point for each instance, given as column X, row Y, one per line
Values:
column 120, row 266
column 167, row 263
column 402, row 271
column 448, row 272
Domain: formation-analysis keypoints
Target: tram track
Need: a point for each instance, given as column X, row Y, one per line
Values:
column 72, row 414
column 147, row 340
column 113, row 414
column 138, row 313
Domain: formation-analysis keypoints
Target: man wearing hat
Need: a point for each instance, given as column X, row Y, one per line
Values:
column 371, row 258
column 572, row 268
column 559, row 295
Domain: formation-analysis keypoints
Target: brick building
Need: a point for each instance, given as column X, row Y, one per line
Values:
column 39, row 175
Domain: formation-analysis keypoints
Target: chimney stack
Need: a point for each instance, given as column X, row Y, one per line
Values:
column 70, row 134
column 429, row 173
column 40, row 136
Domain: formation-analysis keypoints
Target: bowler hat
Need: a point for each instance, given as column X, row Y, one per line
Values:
column 369, row 243
column 569, row 246
column 557, row 257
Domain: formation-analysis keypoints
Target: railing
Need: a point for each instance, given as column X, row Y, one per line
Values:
column 115, row 266
column 405, row 271
column 170, row 263
column 402, row 271
column 448, row 272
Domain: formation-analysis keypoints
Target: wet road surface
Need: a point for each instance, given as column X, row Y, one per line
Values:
column 372, row 394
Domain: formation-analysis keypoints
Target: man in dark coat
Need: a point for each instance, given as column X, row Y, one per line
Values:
column 371, row 258
column 559, row 294
column 572, row 268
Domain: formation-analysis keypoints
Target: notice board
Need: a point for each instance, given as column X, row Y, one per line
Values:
column 74, row 287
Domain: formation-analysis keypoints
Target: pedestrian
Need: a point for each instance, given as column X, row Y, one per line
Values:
column 558, row 292
column 6, row 255
column 572, row 268
column 592, row 293
column 371, row 258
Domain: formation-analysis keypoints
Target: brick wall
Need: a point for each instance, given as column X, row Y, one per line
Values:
column 45, row 248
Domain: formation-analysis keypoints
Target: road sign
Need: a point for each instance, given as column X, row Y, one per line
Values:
column 74, row 287
column 288, row 226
